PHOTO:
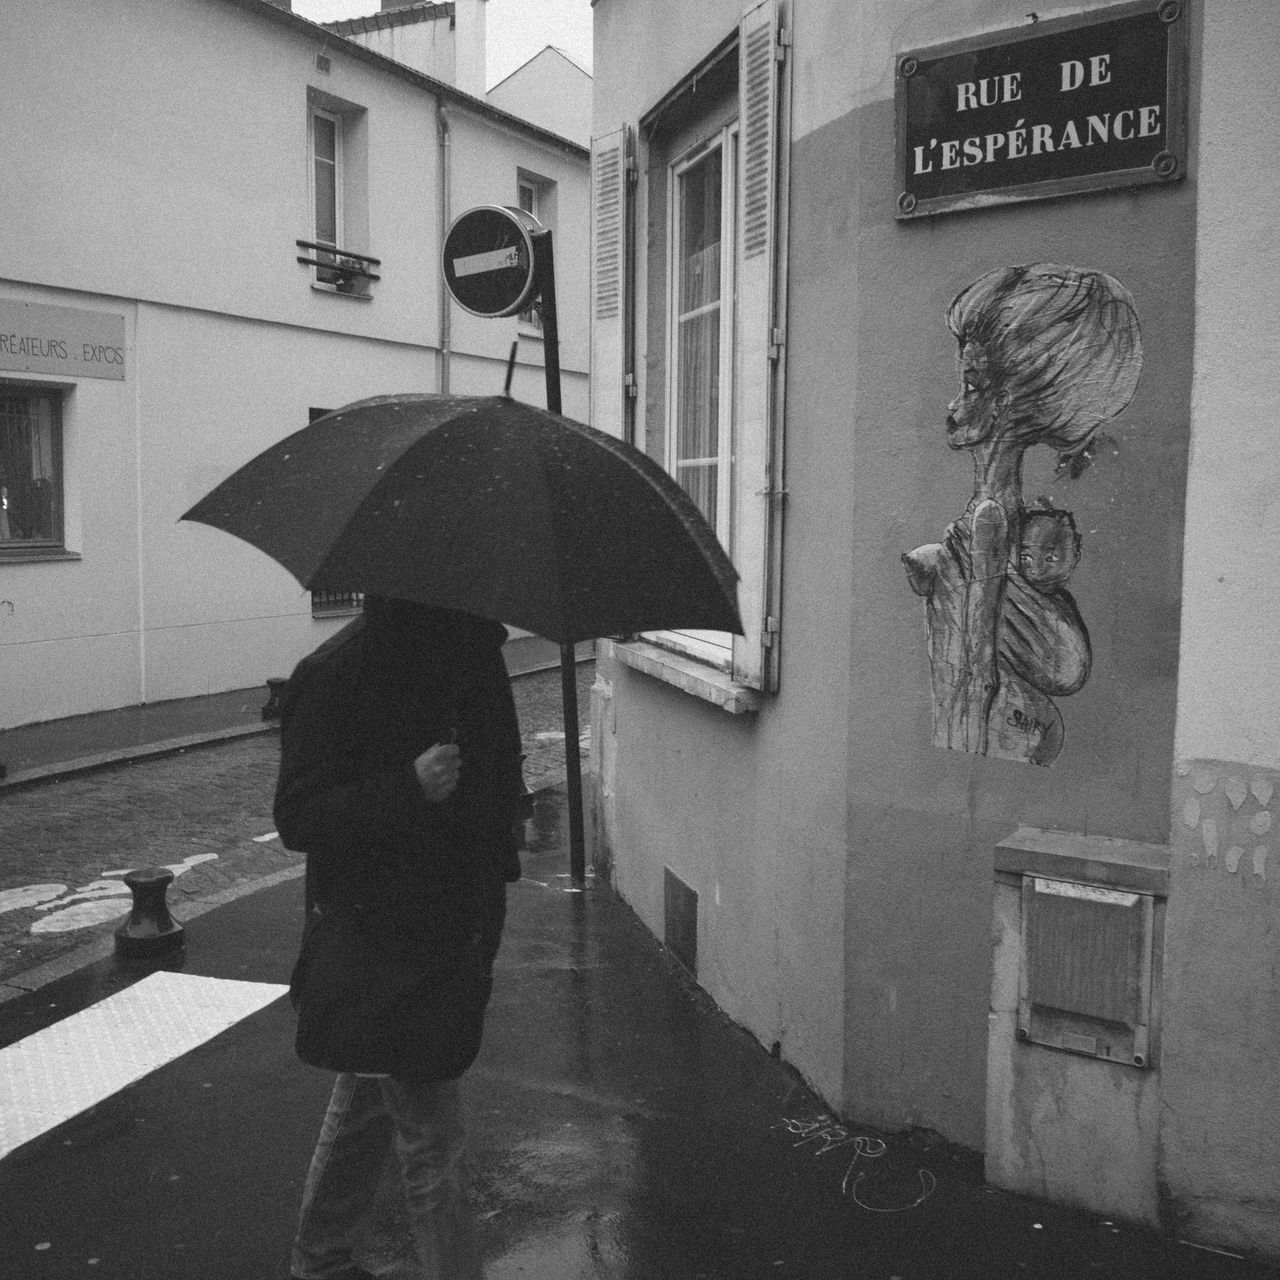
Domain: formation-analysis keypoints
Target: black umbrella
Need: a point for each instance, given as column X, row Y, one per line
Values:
column 489, row 506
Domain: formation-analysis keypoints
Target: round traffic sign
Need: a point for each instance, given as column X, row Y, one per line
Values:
column 489, row 259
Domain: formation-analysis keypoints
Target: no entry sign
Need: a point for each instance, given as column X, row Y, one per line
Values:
column 489, row 262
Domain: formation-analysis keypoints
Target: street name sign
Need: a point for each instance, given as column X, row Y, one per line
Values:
column 1090, row 102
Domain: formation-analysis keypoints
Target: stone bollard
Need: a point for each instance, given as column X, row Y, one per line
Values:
column 275, row 687
column 150, row 930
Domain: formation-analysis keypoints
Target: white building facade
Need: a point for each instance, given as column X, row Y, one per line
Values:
column 168, row 164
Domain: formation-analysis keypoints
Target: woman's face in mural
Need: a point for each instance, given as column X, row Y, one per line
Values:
column 972, row 417
column 1047, row 552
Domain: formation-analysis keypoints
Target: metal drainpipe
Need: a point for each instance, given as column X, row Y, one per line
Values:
column 446, row 177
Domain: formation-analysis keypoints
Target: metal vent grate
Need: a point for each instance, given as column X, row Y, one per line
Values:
column 1086, row 972
column 680, row 912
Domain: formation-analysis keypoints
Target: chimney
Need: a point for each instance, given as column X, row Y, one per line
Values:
column 468, row 46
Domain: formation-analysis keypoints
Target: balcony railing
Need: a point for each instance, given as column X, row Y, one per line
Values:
column 346, row 271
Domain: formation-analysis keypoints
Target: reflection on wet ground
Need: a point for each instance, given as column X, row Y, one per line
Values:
column 625, row 1128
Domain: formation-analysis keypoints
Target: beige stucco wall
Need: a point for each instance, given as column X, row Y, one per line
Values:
column 1221, row 1132
column 1175, row 741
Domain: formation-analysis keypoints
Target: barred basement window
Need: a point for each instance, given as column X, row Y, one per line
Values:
column 324, row 603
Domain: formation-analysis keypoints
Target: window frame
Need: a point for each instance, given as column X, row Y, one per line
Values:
column 530, row 319
column 325, row 276
column 55, row 545
column 714, row 647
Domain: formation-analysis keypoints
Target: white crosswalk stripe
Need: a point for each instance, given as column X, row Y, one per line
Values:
column 55, row 1074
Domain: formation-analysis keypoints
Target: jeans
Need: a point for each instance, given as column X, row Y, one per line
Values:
column 367, row 1119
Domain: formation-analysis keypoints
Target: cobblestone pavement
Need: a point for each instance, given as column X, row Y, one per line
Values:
column 65, row 845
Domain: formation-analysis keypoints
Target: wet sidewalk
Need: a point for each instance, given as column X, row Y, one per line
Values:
column 622, row 1130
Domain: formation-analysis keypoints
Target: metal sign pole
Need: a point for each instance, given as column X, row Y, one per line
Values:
column 544, row 260
column 495, row 259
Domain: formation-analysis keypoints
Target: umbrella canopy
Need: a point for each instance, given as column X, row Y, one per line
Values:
column 485, row 505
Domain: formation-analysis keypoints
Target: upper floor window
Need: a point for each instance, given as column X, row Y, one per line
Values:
column 529, row 197
column 338, row 151
column 30, row 469
column 326, row 183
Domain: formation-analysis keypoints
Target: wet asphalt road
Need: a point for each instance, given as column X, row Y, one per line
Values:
column 204, row 811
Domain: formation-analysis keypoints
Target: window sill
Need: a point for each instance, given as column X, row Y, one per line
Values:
column 1096, row 860
column 8, row 556
column 686, row 674
column 341, row 293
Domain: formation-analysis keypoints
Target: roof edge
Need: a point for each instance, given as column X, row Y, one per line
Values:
column 439, row 88
column 546, row 48
column 386, row 19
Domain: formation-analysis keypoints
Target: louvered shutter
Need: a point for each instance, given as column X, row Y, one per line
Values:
column 755, row 506
column 608, row 280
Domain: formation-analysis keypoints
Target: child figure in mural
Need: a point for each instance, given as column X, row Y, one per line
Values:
column 1046, row 354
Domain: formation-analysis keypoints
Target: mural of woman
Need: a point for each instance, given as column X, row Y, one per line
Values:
column 1046, row 354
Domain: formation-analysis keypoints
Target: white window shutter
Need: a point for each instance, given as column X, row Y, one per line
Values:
column 608, row 280
column 755, row 507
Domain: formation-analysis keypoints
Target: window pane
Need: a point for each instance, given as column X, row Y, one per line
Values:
column 326, row 203
column 326, row 139
column 700, row 483
column 698, row 387
column 698, row 322
column 699, row 264
column 527, row 199
column 30, row 500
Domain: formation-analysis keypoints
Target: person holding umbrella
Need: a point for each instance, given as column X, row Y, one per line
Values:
column 400, row 780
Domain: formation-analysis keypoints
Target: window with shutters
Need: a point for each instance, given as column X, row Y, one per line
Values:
column 699, row 368
column 338, row 180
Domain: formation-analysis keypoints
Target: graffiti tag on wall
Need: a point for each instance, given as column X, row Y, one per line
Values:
column 1046, row 354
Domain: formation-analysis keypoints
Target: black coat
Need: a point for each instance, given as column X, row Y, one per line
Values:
column 425, row 878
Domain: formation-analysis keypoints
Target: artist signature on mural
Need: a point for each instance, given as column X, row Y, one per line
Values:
column 824, row 1134
column 1028, row 724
